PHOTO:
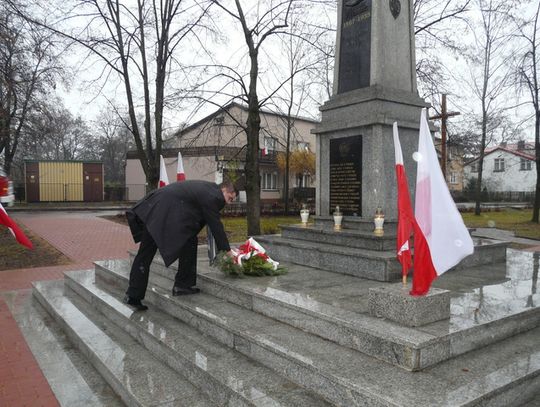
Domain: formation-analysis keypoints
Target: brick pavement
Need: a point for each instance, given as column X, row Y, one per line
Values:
column 83, row 237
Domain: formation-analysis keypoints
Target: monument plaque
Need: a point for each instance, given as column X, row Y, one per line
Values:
column 346, row 175
column 355, row 45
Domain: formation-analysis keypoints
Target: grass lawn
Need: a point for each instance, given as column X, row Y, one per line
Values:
column 516, row 220
column 236, row 227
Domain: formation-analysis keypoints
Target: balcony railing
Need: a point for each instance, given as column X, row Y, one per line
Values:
column 269, row 158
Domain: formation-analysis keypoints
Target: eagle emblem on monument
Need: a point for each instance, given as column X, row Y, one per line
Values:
column 395, row 8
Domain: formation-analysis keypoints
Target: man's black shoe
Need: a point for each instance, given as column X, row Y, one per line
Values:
column 137, row 304
column 185, row 291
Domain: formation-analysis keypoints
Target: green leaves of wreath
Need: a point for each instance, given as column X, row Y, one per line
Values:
column 254, row 266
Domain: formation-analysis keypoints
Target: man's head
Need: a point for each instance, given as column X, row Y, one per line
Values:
column 229, row 191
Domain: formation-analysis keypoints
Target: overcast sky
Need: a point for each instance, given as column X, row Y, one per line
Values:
column 83, row 99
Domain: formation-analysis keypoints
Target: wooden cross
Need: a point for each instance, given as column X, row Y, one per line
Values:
column 443, row 116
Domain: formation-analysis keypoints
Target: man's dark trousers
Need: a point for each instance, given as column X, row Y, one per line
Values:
column 138, row 278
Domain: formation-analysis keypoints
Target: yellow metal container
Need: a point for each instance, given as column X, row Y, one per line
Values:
column 60, row 181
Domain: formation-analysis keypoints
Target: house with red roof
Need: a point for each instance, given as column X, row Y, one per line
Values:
column 507, row 168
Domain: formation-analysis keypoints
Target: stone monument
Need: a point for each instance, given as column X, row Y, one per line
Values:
column 374, row 85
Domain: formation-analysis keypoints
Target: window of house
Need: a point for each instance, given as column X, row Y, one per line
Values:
column 303, row 180
column 499, row 165
column 270, row 143
column 269, row 180
column 525, row 165
column 303, row 146
column 453, row 177
column 474, row 167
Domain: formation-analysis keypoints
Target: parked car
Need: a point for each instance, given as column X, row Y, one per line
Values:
column 6, row 189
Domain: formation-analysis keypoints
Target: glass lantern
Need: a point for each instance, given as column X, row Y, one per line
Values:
column 378, row 220
column 304, row 215
column 338, row 218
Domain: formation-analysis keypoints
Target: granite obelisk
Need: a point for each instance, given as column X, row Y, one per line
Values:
column 374, row 85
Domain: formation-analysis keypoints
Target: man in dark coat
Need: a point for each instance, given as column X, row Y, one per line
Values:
column 169, row 219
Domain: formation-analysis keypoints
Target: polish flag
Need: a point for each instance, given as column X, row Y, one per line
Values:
column 14, row 229
column 405, row 213
column 180, row 175
column 163, row 178
column 264, row 151
column 441, row 239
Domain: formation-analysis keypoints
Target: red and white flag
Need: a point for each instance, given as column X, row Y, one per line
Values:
column 405, row 213
column 163, row 178
column 180, row 174
column 252, row 248
column 441, row 239
column 264, row 151
column 14, row 229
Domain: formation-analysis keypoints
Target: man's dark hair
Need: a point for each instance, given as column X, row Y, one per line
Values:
column 229, row 186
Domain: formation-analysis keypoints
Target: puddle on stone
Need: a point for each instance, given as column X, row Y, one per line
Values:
column 484, row 303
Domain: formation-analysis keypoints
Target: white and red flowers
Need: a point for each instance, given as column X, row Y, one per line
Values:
column 249, row 249
column 249, row 259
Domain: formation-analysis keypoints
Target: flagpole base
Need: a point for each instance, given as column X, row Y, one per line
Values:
column 394, row 302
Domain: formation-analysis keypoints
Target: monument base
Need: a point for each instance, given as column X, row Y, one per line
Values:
column 396, row 304
column 355, row 150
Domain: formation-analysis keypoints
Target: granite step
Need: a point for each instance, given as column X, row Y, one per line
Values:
column 379, row 265
column 487, row 251
column 128, row 368
column 493, row 375
column 364, row 263
column 58, row 359
column 355, row 223
column 345, row 237
column 228, row 377
column 335, row 307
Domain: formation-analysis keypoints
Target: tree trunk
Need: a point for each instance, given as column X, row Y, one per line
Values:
column 287, row 159
column 253, row 187
column 536, row 207
column 478, row 194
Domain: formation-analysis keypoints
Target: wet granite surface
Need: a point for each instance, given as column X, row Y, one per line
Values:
column 59, row 360
column 486, row 301
column 350, row 378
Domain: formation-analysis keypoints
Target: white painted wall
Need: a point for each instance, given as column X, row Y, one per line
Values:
column 511, row 179
column 200, row 168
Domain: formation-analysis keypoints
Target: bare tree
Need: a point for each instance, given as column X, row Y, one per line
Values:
column 435, row 23
column 257, row 26
column 138, row 43
column 114, row 142
column 52, row 133
column 527, row 71
column 29, row 63
column 489, row 62
column 302, row 54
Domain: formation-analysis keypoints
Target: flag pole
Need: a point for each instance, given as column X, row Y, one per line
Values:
column 404, row 280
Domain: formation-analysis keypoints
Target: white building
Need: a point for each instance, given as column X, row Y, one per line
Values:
column 507, row 168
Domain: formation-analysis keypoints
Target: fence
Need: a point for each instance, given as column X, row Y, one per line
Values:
column 267, row 209
column 306, row 195
column 134, row 192
column 74, row 192
column 495, row 196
